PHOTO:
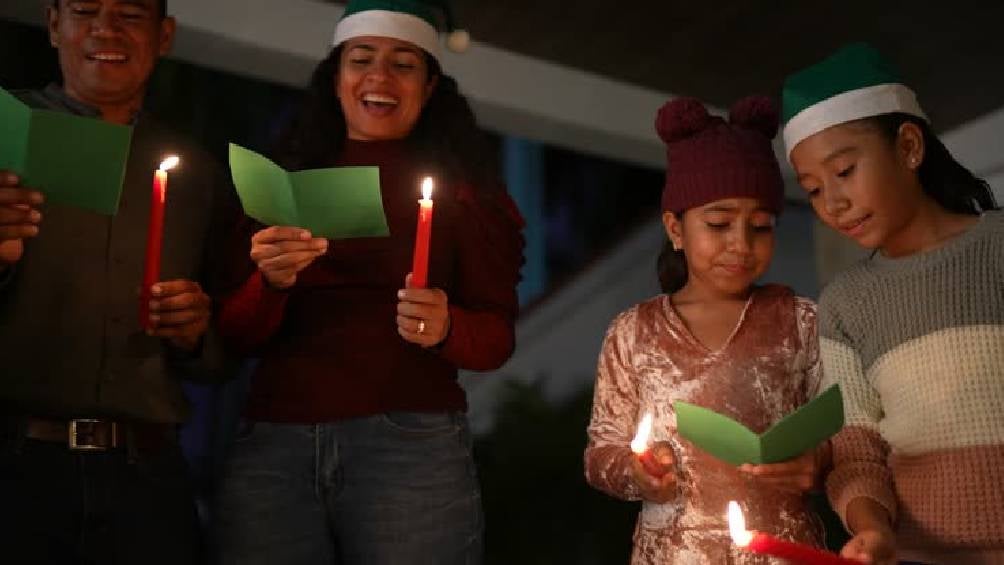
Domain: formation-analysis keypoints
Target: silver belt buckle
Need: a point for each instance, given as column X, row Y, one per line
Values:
column 88, row 444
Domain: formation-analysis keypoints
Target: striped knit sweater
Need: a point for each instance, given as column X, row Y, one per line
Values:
column 917, row 345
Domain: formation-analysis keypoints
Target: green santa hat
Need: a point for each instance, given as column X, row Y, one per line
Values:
column 415, row 21
column 855, row 82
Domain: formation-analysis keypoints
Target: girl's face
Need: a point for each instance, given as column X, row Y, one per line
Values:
column 382, row 85
column 728, row 243
column 860, row 184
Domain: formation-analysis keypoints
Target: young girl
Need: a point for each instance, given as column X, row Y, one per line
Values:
column 714, row 339
column 915, row 333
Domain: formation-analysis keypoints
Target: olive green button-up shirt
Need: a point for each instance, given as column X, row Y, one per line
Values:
column 71, row 344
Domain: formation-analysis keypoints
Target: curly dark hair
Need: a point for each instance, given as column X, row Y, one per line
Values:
column 162, row 11
column 446, row 134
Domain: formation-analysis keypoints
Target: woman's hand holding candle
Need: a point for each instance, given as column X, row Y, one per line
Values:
column 423, row 314
column 282, row 252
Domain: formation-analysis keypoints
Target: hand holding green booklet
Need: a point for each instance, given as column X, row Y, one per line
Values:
column 72, row 160
column 336, row 203
column 733, row 442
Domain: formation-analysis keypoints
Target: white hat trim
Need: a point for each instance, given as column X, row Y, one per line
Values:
column 386, row 23
column 849, row 106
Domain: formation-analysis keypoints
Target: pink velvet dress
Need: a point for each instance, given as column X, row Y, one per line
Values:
column 767, row 368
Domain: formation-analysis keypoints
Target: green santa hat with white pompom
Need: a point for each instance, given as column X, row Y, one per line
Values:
column 415, row 21
column 854, row 83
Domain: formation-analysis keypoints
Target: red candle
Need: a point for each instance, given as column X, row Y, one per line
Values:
column 154, row 238
column 761, row 543
column 420, row 260
column 640, row 447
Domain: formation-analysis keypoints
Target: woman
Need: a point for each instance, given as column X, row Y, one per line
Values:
column 355, row 447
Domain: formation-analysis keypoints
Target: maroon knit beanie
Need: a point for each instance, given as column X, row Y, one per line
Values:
column 709, row 159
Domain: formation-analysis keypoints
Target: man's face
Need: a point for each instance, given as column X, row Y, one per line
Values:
column 108, row 48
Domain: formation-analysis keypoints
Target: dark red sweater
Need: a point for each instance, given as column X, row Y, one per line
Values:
column 329, row 346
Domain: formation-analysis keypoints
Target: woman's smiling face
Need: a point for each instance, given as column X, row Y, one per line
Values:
column 382, row 84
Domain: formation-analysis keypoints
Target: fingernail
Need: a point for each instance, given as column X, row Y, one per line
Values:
column 35, row 216
column 154, row 318
column 305, row 235
column 32, row 230
column 37, row 198
column 400, row 294
column 155, row 289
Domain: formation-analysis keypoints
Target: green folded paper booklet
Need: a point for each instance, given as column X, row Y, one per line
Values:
column 72, row 160
column 733, row 442
column 336, row 203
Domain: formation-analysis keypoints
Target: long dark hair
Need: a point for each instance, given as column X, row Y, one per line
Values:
column 446, row 134
column 943, row 178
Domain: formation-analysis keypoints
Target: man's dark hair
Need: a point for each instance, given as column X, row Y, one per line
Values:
column 162, row 3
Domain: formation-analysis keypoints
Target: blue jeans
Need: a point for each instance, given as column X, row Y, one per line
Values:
column 395, row 488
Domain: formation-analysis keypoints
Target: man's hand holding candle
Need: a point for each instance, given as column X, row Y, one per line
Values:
column 19, row 217
column 179, row 313
column 282, row 252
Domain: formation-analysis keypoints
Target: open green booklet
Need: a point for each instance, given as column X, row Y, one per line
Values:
column 336, row 203
column 733, row 442
column 72, row 160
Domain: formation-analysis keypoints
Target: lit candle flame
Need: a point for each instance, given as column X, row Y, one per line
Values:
column 737, row 525
column 640, row 442
column 427, row 188
column 170, row 163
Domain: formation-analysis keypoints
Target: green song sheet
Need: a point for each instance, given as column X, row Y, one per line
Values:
column 733, row 442
column 72, row 160
column 336, row 203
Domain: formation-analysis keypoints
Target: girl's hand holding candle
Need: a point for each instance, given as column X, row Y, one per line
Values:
column 653, row 465
column 762, row 544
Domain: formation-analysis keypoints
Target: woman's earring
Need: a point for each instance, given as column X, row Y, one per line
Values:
column 675, row 246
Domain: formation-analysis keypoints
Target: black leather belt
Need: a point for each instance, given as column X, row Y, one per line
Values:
column 87, row 434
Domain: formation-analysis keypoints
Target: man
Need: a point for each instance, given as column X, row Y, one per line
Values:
column 90, row 470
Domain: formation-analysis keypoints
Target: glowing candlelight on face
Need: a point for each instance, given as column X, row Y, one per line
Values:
column 154, row 236
column 761, row 543
column 423, row 235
